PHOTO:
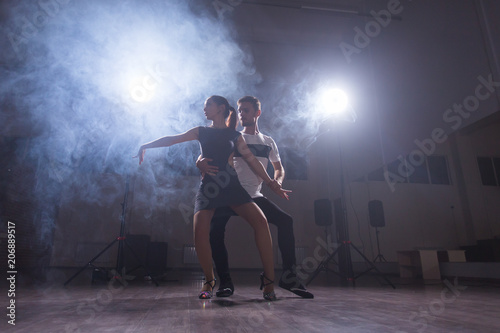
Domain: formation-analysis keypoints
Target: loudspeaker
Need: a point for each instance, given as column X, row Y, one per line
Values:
column 323, row 212
column 376, row 213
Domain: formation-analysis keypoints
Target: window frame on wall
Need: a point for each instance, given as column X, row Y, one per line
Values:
column 435, row 170
column 489, row 170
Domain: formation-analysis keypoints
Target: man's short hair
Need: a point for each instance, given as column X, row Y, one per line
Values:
column 250, row 99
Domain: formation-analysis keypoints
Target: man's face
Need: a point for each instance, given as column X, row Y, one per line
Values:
column 247, row 114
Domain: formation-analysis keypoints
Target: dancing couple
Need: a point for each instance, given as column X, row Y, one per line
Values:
column 222, row 150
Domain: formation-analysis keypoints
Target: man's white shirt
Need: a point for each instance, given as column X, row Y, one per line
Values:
column 264, row 148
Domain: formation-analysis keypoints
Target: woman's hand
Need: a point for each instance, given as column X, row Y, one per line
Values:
column 140, row 154
column 276, row 187
column 205, row 168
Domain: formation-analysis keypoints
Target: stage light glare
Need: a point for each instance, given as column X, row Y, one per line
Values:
column 334, row 101
column 141, row 89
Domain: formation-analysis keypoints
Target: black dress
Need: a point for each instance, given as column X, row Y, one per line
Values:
column 223, row 189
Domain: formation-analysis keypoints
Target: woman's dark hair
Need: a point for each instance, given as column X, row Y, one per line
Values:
column 229, row 112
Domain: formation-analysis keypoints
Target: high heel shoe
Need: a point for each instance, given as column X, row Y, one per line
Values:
column 270, row 296
column 207, row 294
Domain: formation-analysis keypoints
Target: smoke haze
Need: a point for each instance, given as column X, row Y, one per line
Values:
column 90, row 81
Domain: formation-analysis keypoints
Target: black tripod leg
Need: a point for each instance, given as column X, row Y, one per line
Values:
column 348, row 262
column 322, row 266
column 372, row 266
column 140, row 263
column 91, row 261
column 380, row 258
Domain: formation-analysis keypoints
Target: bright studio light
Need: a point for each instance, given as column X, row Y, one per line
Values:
column 333, row 101
column 142, row 89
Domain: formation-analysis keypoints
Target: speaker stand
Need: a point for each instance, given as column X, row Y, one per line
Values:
column 380, row 256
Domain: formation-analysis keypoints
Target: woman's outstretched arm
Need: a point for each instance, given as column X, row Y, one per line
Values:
column 258, row 168
column 167, row 141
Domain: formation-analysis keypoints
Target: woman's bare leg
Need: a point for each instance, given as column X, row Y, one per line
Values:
column 202, row 220
column 253, row 215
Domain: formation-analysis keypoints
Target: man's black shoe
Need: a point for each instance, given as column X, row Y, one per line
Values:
column 291, row 283
column 226, row 289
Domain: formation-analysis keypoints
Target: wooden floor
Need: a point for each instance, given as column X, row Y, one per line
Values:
column 370, row 306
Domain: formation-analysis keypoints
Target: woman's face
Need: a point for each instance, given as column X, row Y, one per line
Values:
column 211, row 109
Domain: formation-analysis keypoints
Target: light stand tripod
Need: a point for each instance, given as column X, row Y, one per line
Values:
column 344, row 250
column 119, row 271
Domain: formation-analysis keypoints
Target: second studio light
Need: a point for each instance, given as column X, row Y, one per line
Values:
column 333, row 102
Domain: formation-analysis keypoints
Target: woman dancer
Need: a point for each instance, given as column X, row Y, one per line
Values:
column 219, row 142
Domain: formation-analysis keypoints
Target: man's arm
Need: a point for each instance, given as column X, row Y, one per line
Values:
column 205, row 168
column 258, row 168
column 279, row 172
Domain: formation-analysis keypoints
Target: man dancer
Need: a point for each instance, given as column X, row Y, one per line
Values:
column 264, row 148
